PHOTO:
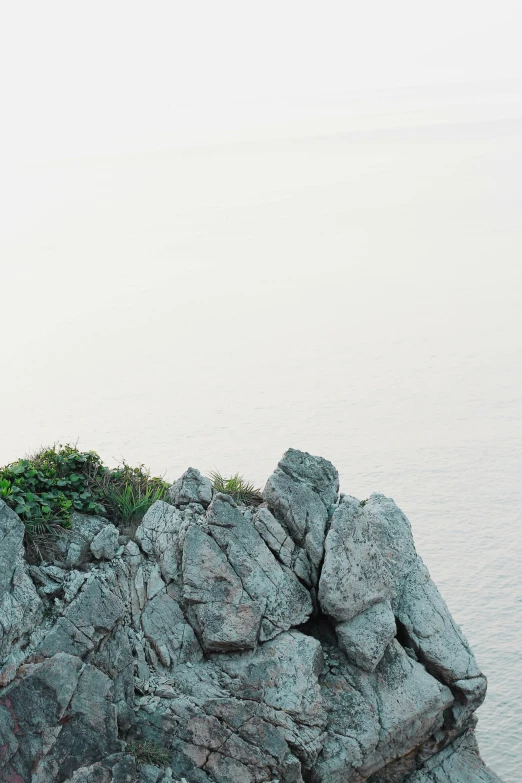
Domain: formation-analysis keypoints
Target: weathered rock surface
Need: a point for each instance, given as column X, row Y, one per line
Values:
column 366, row 636
column 105, row 544
column 299, row 641
column 20, row 605
column 234, row 588
column 76, row 546
column 192, row 487
column 302, row 493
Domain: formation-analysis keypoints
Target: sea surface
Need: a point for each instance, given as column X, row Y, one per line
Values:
column 352, row 289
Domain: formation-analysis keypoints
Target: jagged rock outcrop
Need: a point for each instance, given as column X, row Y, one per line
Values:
column 301, row 641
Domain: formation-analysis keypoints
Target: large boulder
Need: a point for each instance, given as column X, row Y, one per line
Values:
column 370, row 569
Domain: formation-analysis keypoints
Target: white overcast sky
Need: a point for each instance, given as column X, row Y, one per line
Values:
column 81, row 78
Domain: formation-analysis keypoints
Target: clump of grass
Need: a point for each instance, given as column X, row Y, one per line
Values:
column 131, row 503
column 41, row 540
column 146, row 752
column 128, row 492
column 240, row 490
column 363, row 502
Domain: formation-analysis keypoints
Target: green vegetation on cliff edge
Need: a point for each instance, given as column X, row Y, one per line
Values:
column 45, row 488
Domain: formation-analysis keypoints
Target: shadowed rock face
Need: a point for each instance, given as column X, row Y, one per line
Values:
column 300, row 642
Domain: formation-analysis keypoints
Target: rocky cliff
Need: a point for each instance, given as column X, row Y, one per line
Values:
column 300, row 641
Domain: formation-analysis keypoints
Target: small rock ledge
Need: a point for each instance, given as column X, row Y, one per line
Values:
column 301, row 641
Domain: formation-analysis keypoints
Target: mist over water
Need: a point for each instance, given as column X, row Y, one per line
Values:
column 352, row 290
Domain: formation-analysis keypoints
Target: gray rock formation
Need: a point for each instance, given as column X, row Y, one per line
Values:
column 302, row 640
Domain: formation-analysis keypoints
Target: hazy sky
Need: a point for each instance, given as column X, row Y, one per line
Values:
column 109, row 76
column 216, row 170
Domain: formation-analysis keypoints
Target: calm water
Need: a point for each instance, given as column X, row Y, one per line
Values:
column 355, row 294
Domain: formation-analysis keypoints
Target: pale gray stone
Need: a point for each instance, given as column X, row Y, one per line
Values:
column 365, row 637
column 225, row 627
column 64, row 636
column 11, row 543
column 355, row 574
column 391, row 531
column 75, row 544
column 302, row 512
column 302, row 493
column 90, row 616
column 370, row 557
column 238, row 590
column 222, row 611
column 20, row 609
column 317, row 472
column 160, row 536
column 431, row 629
column 192, row 487
column 248, row 716
column 72, row 584
column 117, row 768
column 149, row 773
column 282, row 673
column 155, row 583
column 266, row 581
column 105, row 544
column 166, row 629
column 281, row 544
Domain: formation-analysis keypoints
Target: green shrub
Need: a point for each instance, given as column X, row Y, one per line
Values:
column 240, row 490
column 45, row 488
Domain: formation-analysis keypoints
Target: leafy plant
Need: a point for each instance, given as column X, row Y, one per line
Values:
column 240, row 490
column 46, row 487
column 146, row 752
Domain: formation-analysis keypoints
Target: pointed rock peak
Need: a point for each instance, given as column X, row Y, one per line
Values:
column 317, row 472
column 192, row 487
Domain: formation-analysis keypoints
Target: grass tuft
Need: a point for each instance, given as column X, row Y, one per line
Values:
column 131, row 503
column 146, row 752
column 240, row 490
